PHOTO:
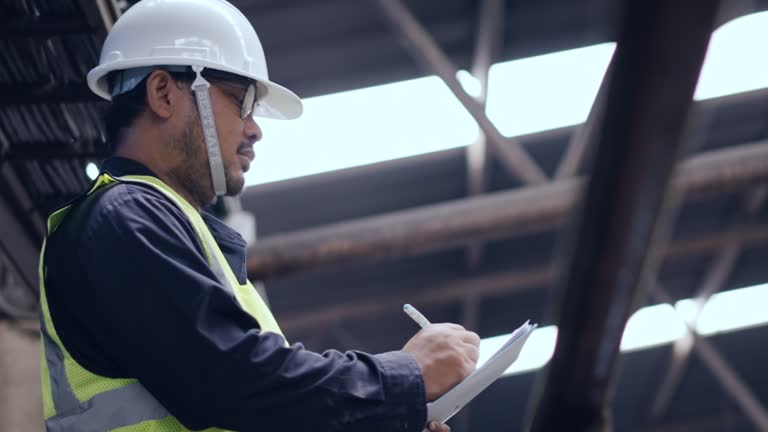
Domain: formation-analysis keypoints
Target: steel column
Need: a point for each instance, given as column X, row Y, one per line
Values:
column 637, row 140
column 577, row 146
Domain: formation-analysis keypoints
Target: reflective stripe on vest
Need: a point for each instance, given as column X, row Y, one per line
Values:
column 63, row 397
column 129, row 403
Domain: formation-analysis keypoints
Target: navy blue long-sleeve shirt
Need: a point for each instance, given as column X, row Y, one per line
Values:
column 131, row 295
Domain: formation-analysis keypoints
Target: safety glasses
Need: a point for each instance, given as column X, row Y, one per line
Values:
column 125, row 81
column 228, row 80
column 248, row 102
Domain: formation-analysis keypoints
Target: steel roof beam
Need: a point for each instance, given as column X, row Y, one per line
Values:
column 498, row 284
column 714, row 281
column 736, row 388
column 490, row 31
column 44, row 27
column 43, row 93
column 426, row 51
column 497, row 215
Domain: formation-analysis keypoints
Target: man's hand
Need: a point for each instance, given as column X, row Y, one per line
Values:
column 447, row 353
column 437, row 427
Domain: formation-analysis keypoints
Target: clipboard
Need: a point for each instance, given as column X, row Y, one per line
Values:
column 443, row 408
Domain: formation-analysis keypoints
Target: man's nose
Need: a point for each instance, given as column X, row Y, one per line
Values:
column 252, row 130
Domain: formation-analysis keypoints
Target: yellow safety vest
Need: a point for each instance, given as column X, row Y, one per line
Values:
column 77, row 400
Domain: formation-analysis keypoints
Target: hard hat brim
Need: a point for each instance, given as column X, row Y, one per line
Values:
column 278, row 102
column 274, row 101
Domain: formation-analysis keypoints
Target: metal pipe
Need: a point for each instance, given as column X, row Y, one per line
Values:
column 496, row 284
column 106, row 16
column 453, row 224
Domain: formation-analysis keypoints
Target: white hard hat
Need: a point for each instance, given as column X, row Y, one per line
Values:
column 208, row 33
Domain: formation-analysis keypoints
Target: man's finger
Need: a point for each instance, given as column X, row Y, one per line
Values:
column 471, row 338
column 453, row 326
column 472, row 352
column 438, row 427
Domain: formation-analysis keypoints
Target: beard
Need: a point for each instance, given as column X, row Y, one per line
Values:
column 193, row 171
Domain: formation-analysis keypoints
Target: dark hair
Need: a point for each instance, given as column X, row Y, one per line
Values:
column 126, row 107
column 123, row 111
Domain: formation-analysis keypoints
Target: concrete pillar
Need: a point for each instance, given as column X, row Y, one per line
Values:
column 20, row 401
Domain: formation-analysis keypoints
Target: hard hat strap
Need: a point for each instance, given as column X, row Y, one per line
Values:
column 200, row 88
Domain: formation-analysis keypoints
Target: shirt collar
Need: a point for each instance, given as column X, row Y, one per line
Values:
column 231, row 243
column 118, row 166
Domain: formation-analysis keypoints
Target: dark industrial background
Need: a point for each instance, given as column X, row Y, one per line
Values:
column 477, row 235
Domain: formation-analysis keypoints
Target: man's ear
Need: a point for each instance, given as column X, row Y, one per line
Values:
column 163, row 98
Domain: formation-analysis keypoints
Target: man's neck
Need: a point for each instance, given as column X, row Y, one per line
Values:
column 150, row 160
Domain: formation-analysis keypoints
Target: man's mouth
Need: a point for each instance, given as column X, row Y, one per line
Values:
column 246, row 155
column 247, row 151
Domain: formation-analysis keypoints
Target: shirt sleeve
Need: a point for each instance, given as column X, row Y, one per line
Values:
column 158, row 311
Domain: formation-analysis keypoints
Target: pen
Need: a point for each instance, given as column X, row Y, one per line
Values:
column 416, row 315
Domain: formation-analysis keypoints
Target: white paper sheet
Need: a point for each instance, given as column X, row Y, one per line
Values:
column 454, row 400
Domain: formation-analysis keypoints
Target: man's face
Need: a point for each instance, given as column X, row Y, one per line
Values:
column 237, row 136
column 236, row 139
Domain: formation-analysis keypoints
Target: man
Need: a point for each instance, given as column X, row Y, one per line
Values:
column 148, row 320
